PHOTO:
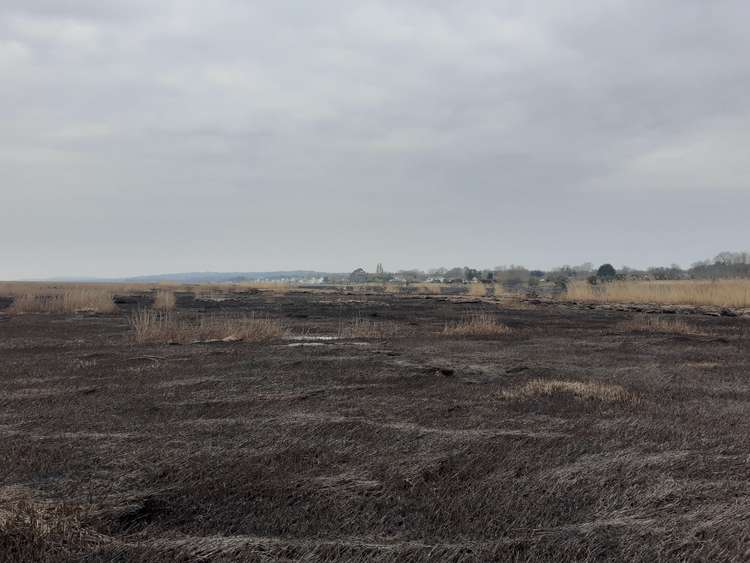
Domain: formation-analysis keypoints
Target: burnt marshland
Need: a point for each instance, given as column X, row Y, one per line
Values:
column 344, row 426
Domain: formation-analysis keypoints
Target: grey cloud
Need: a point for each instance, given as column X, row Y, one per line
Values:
column 143, row 136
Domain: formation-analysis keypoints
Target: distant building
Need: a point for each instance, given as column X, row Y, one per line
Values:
column 358, row 276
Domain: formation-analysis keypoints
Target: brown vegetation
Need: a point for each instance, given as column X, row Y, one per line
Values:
column 155, row 327
column 72, row 300
column 33, row 532
column 656, row 324
column 581, row 390
column 578, row 444
column 360, row 327
column 478, row 324
column 719, row 293
column 164, row 300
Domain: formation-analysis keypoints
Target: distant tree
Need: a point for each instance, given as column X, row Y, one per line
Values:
column 559, row 279
column 724, row 265
column 412, row 275
column 488, row 276
column 572, row 272
column 606, row 272
column 674, row 272
column 512, row 275
column 455, row 274
column 471, row 273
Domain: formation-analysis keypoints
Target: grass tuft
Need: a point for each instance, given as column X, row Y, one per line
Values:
column 360, row 327
column 655, row 324
column 580, row 390
column 478, row 324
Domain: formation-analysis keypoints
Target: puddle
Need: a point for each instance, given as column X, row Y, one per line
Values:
column 318, row 340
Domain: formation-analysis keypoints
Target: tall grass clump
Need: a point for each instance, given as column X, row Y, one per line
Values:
column 360, row 327
column 719, row 293
column 74, row 300
column 154, row 327
column 165, row 300
column 477, row 324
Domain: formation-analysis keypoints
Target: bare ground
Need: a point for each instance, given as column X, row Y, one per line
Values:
column 570, row 438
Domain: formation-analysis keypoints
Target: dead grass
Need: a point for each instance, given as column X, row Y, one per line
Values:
column 478, row 324
column 153, row 327
column 165, row 300
column 360, row 327
column 719, row 293
column 477, row 289
column 580, row 390
column 656, row 324
column 35, row 532
column 72, row 300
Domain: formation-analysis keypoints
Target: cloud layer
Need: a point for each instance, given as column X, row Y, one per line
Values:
column 159, row 136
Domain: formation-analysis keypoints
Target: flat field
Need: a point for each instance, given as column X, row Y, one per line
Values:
column 375, row 430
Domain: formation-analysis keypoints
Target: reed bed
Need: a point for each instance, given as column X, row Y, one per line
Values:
column 41, row 300
column 719, row 293
column 154, row 327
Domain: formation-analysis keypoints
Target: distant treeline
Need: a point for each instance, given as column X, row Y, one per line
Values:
column 724, row 265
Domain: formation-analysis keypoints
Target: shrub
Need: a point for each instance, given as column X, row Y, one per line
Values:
column 606, row 272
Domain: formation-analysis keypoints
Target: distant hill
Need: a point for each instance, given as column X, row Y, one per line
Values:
column 203, row 277
column 219, row 277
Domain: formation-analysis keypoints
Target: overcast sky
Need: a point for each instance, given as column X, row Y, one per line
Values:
column 146, row 136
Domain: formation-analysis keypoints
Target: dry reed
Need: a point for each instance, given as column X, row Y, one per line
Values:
column 719, row 293
column 72, row 300
column 360, row 327
column 151, row 326
column 165, row 300
column 478, row 324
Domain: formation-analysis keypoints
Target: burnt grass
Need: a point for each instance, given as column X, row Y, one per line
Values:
column 408, row 447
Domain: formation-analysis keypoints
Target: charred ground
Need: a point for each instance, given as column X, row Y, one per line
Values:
column 571, row 437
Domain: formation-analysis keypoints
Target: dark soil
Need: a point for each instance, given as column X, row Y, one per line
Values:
column 415, row 447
